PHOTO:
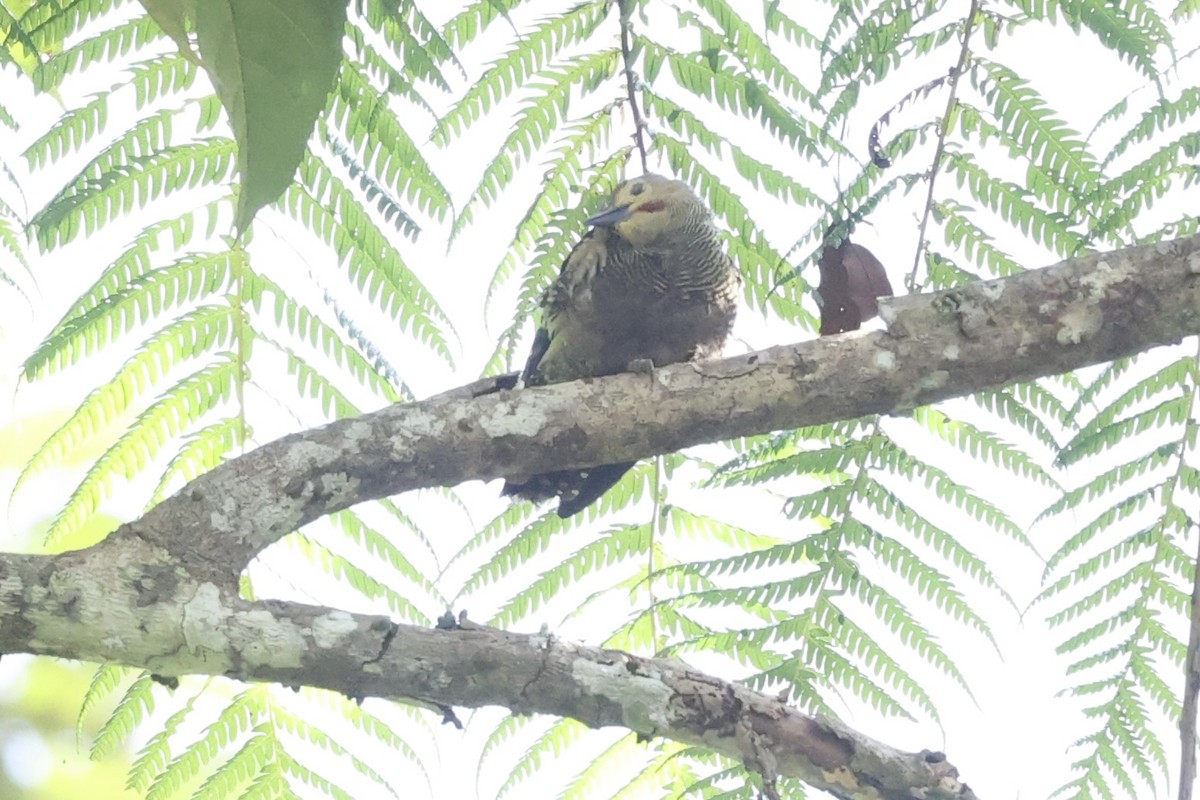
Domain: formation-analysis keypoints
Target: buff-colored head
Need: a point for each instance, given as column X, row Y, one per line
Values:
column 650, row 209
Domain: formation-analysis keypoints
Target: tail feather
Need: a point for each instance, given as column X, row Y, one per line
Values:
column 576, row 489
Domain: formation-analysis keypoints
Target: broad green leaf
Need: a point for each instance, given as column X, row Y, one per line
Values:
column 273, row 64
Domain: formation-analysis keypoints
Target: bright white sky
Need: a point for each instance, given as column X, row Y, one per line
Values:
column 1012, row 741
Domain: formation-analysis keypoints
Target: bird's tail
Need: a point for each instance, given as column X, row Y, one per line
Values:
column 576, row 489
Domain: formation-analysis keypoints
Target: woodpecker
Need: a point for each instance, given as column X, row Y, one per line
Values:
column 649, row 282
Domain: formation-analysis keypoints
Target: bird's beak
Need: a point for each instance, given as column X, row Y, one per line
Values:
column 611, row 217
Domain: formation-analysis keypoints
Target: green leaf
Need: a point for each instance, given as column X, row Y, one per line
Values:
column 273, row 65
column 174, row 17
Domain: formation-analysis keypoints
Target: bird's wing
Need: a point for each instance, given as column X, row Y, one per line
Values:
column 579, row 270
column 567, row 295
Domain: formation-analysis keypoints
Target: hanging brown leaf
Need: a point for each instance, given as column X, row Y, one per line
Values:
column 851, row 278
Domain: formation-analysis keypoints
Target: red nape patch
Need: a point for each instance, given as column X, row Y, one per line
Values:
column 653, row 205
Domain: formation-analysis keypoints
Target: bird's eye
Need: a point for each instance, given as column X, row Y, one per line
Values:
column 637, row 189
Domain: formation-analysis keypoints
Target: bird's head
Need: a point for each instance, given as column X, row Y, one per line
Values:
column 650, row 209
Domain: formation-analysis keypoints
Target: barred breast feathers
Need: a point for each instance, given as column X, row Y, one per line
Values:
column 650, row 281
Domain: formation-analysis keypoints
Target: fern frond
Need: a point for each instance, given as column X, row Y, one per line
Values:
column 155, row 755
column 104, row 682
column 371, row 724
column 379, row 547
column 376, row 67
column 137, row 259
column 192, row 334
column 102, row 48
column 465, row 26
column 981, row 445
column 713, row 80
column 1143, row 185
column 416, row 44
column 626, row 750
column 528, row 56
column 356, row 577
column 70, row 132
column 826, row 657
column 752, row 50
column 758, row 173
column 156, row 78
column 1014, row 205
column 613, row 547
column 1174, row 378
column 145, row 137
column 49, row 22
column 323, row 204
column 556, row 237
column 1167, row 414
column 260, row 756
column 91, row 203
column 186, row 401
column 555, row 195
column 1134, row 30
column 1158, row 119
column 550, row 92
column 1023, row 411
column 199, row 452
column 871, row 652
column 140, row 300
column 934, row 585
column 308, row 328
column 386, row 149
column 133, row 708
column 877, row 44
column 963, row 233
column 235, row 721
column 1071, row 170
column 550, row 745
column 527, row 533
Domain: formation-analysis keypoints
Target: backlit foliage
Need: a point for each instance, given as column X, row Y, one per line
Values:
column 852, row 565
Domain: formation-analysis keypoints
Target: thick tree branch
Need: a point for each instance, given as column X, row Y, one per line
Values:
column 104, row 608
column 162, row 592
column 937, row 346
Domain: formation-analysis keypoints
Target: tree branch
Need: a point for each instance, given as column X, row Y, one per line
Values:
column 179, row 627
column 162, row 592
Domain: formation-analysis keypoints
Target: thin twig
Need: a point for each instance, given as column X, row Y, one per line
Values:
column 639, row 125
column 943, row 132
